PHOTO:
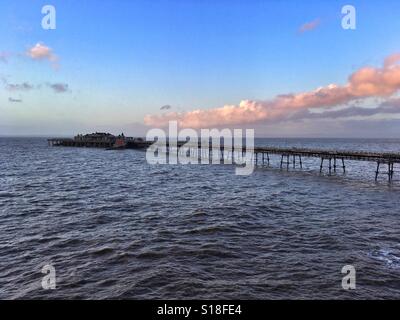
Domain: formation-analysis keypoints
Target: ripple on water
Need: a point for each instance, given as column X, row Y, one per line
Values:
column 389, row 257
column 116, row 227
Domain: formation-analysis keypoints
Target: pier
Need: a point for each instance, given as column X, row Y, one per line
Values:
column 330, row 160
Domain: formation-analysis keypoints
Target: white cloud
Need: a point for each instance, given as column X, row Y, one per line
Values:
column 43, row 52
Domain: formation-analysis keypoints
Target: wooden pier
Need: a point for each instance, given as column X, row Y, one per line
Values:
column 330, row 160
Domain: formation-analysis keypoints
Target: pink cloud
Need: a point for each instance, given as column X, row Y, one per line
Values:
column 367, row 82
column 309, row 26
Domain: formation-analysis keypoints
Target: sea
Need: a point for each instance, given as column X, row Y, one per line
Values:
column 112, row 226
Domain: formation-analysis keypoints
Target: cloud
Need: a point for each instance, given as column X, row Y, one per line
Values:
column 25, row 86
column 383, row 108
column 309, row 26
column 392, row 60
column 391, row 103
column 58, row 87
column 13, row 100
column 42, row 52
column 166, row 107
column 365, row 83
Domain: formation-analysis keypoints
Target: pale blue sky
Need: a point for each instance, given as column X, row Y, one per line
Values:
column 125, row 59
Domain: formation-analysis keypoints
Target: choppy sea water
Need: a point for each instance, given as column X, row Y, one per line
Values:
column 116, row 227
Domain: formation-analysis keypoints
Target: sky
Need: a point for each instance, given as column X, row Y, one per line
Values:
column 284, row 68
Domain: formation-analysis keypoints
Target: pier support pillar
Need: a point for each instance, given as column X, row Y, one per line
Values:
column 377, row 171
column 287, row 162
column 329, row 165
column 300, row 160
column 391, row 171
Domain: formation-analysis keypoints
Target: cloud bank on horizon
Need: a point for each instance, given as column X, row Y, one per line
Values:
column 367, row 82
